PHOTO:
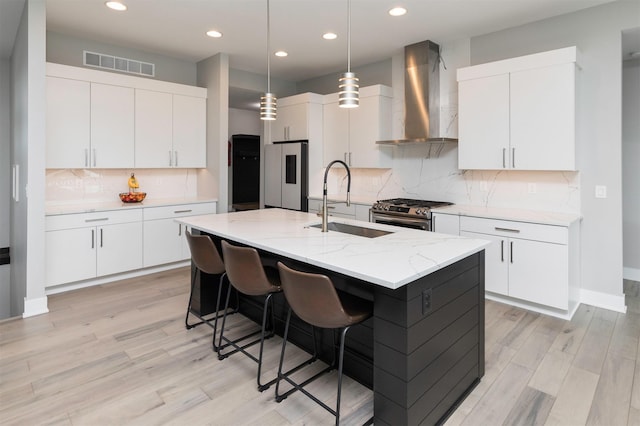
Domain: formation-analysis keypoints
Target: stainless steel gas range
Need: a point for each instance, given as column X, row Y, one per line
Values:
column 405, row 212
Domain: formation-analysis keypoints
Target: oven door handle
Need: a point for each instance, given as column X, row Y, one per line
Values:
column 399, row 220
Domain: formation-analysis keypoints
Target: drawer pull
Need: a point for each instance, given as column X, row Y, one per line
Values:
column 182, row 211
column 511, row 251
column 100, row 219
column 507, row 230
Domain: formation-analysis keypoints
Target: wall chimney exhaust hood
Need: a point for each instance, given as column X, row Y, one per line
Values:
column 421, row 96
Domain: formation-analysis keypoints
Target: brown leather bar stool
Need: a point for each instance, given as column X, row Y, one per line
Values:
column 206, row 258
column 315, row 300
column 248, row 276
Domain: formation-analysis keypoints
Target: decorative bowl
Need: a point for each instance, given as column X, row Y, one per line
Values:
column 132, row 197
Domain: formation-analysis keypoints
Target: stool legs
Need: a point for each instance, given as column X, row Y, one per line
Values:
column 300, row 386
column 264, row 334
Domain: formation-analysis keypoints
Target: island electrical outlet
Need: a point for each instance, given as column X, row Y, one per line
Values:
column 426, row 301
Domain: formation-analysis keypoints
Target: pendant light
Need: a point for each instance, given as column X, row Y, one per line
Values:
column 348, row 86
column 268, row 107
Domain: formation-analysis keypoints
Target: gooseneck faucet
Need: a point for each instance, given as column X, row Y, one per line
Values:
column 325, row 220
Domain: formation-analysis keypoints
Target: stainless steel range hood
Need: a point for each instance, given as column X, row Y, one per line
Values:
column 421, row 96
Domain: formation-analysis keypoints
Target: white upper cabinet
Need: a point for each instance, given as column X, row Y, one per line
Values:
column 170, row 130
column 299, row 118
column 107, row 120
column 68, row 140
column 350, row 134
column 519, row 113
column 189, row 131
column 112, row 132
column 154, row 128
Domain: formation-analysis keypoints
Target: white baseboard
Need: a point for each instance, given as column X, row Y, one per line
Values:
column 33, row 307
column 534, row 307
column 632, row 274
column 116, row 277
column 603, row 300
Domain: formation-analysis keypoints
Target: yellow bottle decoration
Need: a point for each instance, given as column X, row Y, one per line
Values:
column 133, row 183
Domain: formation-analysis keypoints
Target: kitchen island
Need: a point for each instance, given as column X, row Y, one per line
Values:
column 423, row 350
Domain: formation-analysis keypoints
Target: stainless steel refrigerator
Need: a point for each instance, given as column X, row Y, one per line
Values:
column 286, row 182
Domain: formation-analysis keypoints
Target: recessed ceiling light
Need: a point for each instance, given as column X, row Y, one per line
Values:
column 116, row 5
column 281, row 53
column 329, row 36
column 214, row 34
column 397, row 11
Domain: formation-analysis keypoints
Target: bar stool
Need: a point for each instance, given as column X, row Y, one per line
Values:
column 248, row 276
column 314, row 299
column 206, row 258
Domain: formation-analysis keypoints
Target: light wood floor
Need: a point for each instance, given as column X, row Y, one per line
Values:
column 119, row 354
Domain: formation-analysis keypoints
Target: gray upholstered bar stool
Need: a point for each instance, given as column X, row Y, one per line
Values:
column 206, row 258
column 248, row 276
column 315, row 300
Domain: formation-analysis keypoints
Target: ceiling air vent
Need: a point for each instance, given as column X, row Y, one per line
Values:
column 115, row 63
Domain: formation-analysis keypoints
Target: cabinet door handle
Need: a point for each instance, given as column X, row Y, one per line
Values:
column 513, row 158
column 433, row 223
column 100, row 237
column 179, row 230
column 504, row 164
column 511, row 251
column 502, row 250
column 349, row 162
column 175, row 157
column 86, row 157
column 182, row 211
column 94, row 157
column 507, row 230
column 100, row 219
column 170, row 159
column 93, row 238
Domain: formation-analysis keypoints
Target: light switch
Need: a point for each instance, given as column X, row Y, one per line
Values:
column 533, row 188
column 483, row 186
column 601, row 191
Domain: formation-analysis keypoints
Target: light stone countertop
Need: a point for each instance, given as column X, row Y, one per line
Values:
column 517, row 215
column 52, row 209
column 392, row 260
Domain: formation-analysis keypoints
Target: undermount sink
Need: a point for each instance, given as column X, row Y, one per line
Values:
column 360, row 231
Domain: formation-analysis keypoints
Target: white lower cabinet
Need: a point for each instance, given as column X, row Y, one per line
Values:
column 525, row 261
column 164, row 240
column 353, row 211
column 445, row 223
column 85, row 246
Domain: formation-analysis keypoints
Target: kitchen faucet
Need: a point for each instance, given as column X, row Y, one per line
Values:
column 325, row 220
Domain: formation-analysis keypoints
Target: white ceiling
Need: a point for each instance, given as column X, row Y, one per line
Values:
column 177, row 27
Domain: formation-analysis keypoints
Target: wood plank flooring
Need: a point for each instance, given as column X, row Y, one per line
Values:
column 119, row 354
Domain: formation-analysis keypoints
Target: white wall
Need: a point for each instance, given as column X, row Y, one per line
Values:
column 597, row 33
column 65, row 49
column 375, row 73
column 631, row 169
column 5, row 173
column 27, row 150
column 213, row 73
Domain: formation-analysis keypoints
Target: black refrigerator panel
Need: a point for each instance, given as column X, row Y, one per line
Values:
column 286, row 175
column 245, row 162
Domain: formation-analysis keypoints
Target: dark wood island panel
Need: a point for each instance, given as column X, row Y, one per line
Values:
column 421, row 353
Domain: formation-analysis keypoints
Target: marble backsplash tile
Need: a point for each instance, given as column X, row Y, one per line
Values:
column 99, row 185
column 416, row 173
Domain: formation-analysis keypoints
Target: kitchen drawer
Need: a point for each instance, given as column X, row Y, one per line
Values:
column 83, row 220
column 180, row 210
column 510, row 229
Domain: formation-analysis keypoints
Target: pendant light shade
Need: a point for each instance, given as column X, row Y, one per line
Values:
column 268, row 101
column 348, row 86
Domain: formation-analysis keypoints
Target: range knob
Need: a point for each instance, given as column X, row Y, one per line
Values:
column 419, row 211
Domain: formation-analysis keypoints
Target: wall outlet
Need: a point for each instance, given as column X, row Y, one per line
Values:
column 532, row 188
column 426, row 301
column 483, row 186
column 601, row 191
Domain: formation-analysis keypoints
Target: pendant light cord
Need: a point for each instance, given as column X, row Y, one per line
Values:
column 348, row 35
column 268, row 50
